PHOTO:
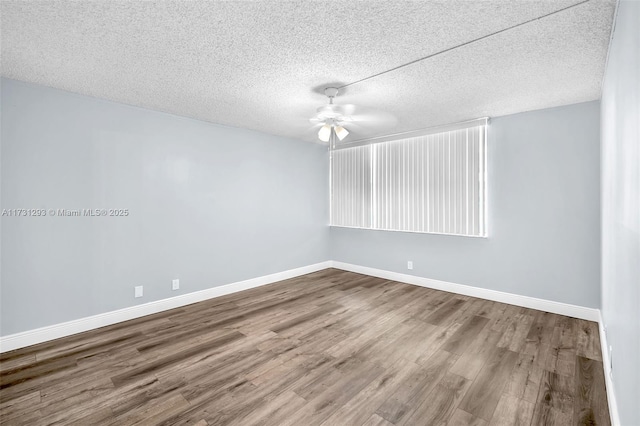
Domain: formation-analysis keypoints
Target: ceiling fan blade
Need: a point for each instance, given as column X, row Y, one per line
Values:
column 345, row 109
column 359, row 113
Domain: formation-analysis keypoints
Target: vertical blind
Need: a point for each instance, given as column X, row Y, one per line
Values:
column 433, row 183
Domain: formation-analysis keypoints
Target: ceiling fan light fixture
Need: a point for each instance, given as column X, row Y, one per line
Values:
column 324, row 134
column 341, row 132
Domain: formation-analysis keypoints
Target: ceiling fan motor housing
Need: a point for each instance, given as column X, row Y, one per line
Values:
column 331, row 92
column 328, row 112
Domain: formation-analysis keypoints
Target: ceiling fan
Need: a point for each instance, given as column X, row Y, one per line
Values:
column 335, row 119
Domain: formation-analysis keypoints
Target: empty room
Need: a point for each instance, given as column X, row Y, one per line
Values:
column 307, row 213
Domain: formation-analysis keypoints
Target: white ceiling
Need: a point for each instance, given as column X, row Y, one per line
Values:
column 262, row 64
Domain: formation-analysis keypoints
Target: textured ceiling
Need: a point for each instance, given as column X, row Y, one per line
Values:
column 262, row 64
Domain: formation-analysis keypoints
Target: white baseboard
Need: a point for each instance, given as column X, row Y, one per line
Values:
column 611, row 398
column 574, row 311
column 39, row 335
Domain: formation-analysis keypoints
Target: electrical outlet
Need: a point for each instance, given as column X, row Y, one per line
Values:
column 175, row 284
column 138, row 291
column 409, row 264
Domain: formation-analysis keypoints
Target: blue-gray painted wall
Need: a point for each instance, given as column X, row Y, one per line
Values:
column 207, row 204
column 621, row 209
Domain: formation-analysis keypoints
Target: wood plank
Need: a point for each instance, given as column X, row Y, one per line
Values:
column 364, row 404
column 466, row 311
column 318, row 382
column 155, row 366
column 435, row 341
column 419, row 384
column 590, row 407
column 101, row 416
column 272, row 411
column 541, row 330
column 545, row 414
column 154, row 411
column 13, row 408
column 501, row 321
column 415, row 343
column 462, row 418
column 445, row 311
column 557, row 391
column 17, row 361
column 562, row 355
column 33, row 371
column 465, row 335
column 72, row 398
column 515, row 334
column 357, row 377
column 588, row 340
column 483, row 397
column 376, row 420
column 439, row 406
column 525, row 379
column 476, row 355
column 385, row 351
column 304, row 318
column 512, row 411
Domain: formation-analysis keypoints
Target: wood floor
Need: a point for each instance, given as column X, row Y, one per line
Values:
column 329, row 348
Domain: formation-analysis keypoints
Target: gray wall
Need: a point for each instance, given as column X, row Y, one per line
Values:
column 621, row 208
column 208, row 204
column 544, row 239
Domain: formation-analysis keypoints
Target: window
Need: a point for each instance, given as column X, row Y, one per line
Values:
column 432, row 182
